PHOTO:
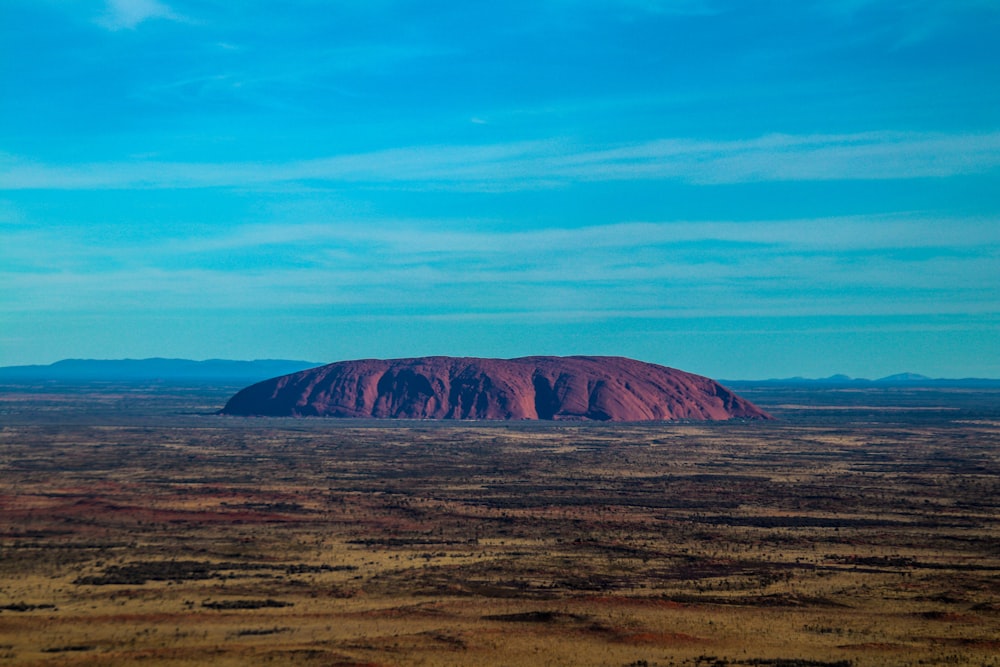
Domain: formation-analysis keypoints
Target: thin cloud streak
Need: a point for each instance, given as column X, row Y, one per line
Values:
column 916, row 21
column 410, row 241
column 533, row 164
column 128, row 14
column 340, row 294
column 411, row 237
column 771, row 268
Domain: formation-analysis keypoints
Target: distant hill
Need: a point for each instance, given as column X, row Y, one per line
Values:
column 153, row 370
column 159, row 369
column 912, row 380
column 905, row 378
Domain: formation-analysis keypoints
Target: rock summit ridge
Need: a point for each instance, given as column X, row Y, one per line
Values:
column 527, row 388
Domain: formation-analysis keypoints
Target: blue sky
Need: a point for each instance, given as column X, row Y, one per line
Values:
column 738, row 189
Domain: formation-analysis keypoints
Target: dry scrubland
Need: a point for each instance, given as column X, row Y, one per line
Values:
column 137, row 528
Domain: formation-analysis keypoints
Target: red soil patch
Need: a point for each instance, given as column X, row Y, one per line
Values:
column 875, row 646
column 622, row 601
column 662, row 638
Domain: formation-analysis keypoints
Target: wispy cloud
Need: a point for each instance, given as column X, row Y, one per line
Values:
column 544, row 164
column 902, row 264
column 911, row 22
column 633, row 8
column 414, row 237
column 128, row 14
column 674, row 7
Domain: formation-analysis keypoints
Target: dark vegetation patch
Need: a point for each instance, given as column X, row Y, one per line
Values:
column 140, row 572
column 797, row 522
column 536, row 617
column 260, row 632
column 21, row 606
column 72, row 648
column 715, row 661
column 229, row 605
column 449, row 640
column 796, row 662
column 403, row 541
column 772, row 600
column 906, row 562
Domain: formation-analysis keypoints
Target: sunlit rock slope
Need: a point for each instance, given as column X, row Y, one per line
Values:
column 557, row 388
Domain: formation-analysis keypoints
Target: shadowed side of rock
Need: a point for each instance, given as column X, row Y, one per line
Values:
column 550, row 388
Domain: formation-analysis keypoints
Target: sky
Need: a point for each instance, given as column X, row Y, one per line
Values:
column 743, row 190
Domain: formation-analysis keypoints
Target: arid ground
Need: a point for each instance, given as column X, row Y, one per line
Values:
column 139, row 528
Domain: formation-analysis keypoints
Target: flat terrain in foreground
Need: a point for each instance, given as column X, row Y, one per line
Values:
column 138, row 528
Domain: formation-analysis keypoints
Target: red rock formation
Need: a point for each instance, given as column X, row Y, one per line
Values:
column 568, row 388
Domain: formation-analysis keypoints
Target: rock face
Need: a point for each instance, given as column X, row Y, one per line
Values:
column 566, row 388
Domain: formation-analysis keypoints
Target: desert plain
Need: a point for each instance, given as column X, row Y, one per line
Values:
column 138, row 527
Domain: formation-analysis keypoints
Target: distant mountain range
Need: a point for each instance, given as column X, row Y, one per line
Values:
column 897, row 380
column 154, row 370
column 247, row 372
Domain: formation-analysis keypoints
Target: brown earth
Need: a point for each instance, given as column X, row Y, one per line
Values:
column 859, row 537
column 551, row 388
